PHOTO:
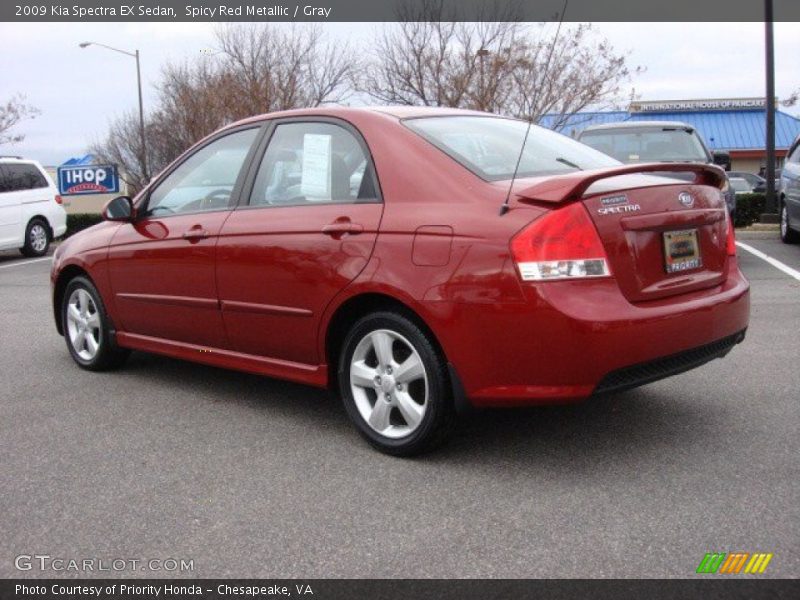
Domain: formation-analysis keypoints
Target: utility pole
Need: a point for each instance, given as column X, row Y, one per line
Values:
column 482, row 54
column 771, row 207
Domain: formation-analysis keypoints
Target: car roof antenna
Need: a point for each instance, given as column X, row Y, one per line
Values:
column 504, row 206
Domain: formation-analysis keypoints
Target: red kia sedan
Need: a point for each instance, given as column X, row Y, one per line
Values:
column 390, row 254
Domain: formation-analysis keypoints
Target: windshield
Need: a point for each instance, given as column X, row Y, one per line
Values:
column 490, row 146
column 645, row 144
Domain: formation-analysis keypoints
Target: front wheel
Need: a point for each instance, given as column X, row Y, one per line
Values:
column 394, row 384
column 87, row 329
column 788, row 235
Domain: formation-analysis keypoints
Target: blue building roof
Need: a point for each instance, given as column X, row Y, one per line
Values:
column 87, row 159
column 721, row 129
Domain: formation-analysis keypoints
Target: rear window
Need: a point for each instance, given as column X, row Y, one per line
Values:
column 739, row 184
column 648, row 144
column 17, row 177
column 490, row 146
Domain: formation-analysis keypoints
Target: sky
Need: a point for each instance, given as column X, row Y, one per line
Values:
column 80, row 91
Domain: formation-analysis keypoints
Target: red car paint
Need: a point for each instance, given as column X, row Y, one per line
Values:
column 257, row 289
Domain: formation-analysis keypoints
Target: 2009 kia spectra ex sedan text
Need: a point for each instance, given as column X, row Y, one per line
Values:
column 379, row 251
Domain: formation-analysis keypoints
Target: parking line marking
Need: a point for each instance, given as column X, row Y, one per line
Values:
column 773, row 261
column 26, row 262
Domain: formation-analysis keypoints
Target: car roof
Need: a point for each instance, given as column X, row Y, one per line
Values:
column 18, row 160
column 410, row 112
column 398, row 112
column 639, row 125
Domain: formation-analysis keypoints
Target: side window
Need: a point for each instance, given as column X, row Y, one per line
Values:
column 205, row 180
column 313, row 163
column 4, row 183
column 20, row 177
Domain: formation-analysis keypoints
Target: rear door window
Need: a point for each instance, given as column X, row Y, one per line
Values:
column 313, row 163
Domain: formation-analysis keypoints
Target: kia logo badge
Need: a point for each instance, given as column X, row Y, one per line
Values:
column 685, row 198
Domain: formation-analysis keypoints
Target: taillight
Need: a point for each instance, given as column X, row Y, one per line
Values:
column 563, row 244
column 59, row 199
column 731, row 242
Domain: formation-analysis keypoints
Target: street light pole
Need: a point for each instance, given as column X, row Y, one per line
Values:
column 142, row 139
column 141, row 120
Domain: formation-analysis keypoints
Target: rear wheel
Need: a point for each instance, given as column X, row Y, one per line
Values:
column 37, row 238
column 788, row 235
column 87, row 328
column 394, row 385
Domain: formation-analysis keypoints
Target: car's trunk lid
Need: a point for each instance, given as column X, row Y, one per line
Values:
column 662, row 236
column 663, row 240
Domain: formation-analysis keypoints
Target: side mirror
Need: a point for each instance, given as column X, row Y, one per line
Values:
column 723, row 159
column 118, row 209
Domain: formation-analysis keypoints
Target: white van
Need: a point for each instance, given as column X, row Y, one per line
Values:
column 31, row 215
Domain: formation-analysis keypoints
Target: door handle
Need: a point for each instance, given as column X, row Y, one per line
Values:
column 339, row 228
column 195, row 233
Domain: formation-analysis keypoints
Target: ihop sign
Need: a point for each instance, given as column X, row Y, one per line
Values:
column 88, row 179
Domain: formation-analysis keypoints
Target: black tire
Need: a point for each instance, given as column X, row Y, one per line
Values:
column 439, row 414
column 31, row 248
column 108, row 355
column 788, row 235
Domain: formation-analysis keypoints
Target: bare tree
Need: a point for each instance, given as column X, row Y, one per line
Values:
column 256, row 69
column 194, row 99
column 432, row 60
column 583, row 72
column 123, row 147
column 498, row 66
column 273, row 68
column 429, row 58
column 12, row 113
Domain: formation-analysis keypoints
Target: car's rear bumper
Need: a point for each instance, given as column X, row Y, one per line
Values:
column 667, row 366
column 575, row 339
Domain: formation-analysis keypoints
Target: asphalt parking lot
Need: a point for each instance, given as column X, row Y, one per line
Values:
column 253, row 477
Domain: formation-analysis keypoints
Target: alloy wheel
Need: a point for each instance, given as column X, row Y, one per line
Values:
column 389, row 383
column 38, row 237
column 83, row 324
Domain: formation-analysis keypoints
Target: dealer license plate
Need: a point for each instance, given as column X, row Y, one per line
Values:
column 681, row 251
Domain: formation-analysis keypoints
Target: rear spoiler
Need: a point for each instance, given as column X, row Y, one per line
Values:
column 572, row 186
